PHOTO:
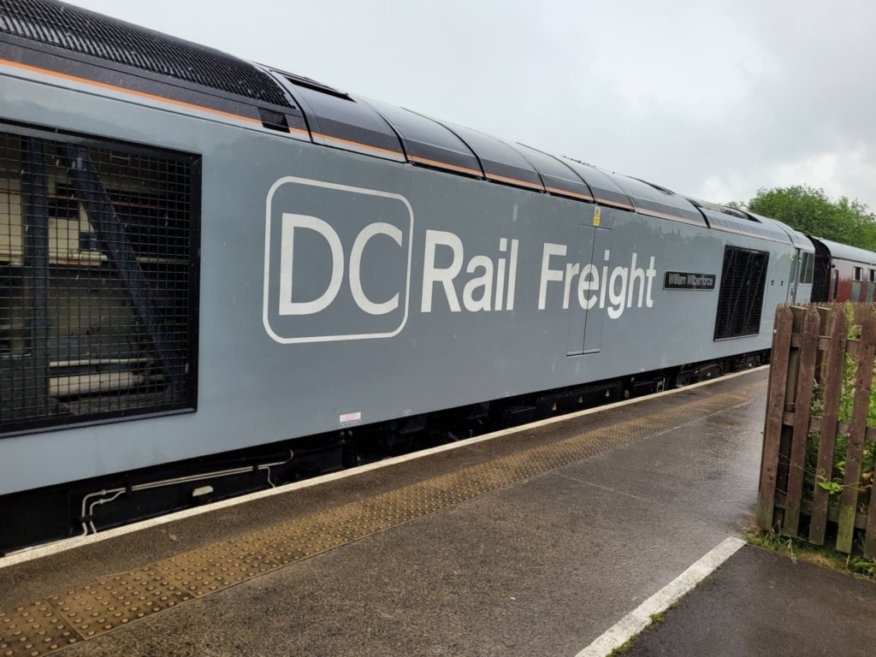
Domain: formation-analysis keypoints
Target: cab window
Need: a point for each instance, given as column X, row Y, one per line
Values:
column 807, row 268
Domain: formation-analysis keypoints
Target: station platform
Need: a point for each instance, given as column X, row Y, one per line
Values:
column 762, row 604
column 533, row 541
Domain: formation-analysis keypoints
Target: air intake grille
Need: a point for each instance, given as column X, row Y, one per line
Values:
column 741, row 298
column 88, row 33
column 98, row 281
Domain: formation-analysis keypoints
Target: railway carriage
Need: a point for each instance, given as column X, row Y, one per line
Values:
column 216, row 275
column 842, row 272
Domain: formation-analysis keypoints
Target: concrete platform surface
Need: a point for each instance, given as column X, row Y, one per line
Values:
column 762, row 604
column 531, row 544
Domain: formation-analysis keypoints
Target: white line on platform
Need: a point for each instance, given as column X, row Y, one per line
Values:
column 638, row 619
column 28, row 554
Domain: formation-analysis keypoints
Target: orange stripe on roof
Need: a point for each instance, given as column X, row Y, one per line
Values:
column 514, row 181
column 133, row 92
column 357, row 144
column 445, row 165
column 565, row 192
column 299, row 131
column 666, row 215
column 616, row 204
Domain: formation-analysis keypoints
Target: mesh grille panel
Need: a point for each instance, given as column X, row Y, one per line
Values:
column 87, row 33
column 741, row 298
column 97, row 282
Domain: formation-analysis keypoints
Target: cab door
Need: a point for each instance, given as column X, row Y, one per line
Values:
column 802, row 276
column 792, row 283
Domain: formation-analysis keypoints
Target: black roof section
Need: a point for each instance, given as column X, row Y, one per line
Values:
column 558, row 177
column 310, row 83
column 604, row 189
column 734, row 220
column 730, row 223
column 429, row 143
column 87, row 33
column 723, row 209
column 658, row 201
column 798, row 239
column 500, row 162
column 79, row 43
column 338, row 121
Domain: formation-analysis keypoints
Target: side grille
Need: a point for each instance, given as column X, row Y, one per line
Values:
column 87, row 33
column 98, row 281
column 741, row 298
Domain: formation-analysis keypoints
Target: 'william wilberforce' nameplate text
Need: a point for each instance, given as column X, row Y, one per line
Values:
column 679, row 280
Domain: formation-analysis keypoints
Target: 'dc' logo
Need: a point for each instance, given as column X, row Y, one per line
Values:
column 337, row 262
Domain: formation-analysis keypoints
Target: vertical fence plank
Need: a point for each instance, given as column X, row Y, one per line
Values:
column 798, row 315
column 857, row 429
column 825, row 314
column 775, row 411
column 870, row 533
column 834, row 361
column 802, row 413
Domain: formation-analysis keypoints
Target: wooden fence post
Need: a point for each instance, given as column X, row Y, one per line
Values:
column 808, row 348
column 775, row 411
column 826, row 315
column 834, row 362
column 870, row 534
column 857, row 429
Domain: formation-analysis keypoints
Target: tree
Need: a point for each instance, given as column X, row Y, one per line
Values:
column 810, row 210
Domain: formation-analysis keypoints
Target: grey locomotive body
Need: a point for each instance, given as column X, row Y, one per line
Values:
column 223, row 271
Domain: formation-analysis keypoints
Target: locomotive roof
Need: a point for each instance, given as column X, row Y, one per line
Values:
column 196, row 76
column 798, row 239
column 846, row 252
column 88, row 33
column 334, row 118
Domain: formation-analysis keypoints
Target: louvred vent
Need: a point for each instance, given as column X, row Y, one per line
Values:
column 741, row 299
column 87, row 33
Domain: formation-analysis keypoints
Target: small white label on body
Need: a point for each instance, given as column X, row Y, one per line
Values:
column 350, row 417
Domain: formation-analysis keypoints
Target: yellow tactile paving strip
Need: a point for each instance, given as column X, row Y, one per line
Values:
column 51, row 624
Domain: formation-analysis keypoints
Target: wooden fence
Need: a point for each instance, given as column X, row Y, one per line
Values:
column 818, row 446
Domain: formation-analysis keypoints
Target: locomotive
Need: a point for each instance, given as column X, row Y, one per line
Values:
column 215, row 271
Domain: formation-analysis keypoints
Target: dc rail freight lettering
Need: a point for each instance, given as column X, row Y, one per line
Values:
column 216, row 276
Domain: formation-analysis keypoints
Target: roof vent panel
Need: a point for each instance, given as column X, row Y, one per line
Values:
column 658, row 201
column 500, row 162
column 429, row 143
column 338, row 121
column 558, row 177
column 88, row 33
column 604, row 189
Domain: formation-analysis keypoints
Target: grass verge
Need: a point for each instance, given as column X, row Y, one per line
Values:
column 798, row 549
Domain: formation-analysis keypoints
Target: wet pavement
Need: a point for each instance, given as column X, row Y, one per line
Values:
column 760, row 603
column 527, row 550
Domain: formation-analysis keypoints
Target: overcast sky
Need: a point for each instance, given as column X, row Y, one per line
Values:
column 714, row 98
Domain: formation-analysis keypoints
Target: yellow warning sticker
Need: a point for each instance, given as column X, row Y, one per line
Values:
column 597, row 214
